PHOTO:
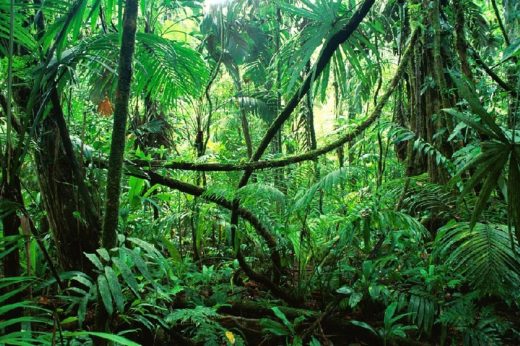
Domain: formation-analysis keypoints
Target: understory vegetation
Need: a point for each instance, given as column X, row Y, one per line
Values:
column 254, row 172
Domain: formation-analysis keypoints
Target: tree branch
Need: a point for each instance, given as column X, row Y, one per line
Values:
column 261, row 229
column 503, row 84
column 310, row 155
column 326, row 54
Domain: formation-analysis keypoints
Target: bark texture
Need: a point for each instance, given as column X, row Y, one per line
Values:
column 428, row 87
column 75, row 229
column 117, row 148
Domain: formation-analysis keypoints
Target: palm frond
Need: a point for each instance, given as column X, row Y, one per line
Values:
column 423, row 309
column 168, row 69
column 164, row 68
column 484, row 255
column 259, row 107
column 21, row 34
column 263, row 192
column 322, row 22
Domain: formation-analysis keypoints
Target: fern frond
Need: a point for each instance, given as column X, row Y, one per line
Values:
column 327, row 183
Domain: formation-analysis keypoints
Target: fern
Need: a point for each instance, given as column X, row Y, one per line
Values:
column 428, row 149
column 198, row 315
column 164, row 68
column 422, row 197
column 326, row 184
column 261, row 192
column 201, row 322
column 478, row 326
column 399, row 134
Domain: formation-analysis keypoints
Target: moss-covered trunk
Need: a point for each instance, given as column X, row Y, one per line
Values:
column 117, row 148
column 73, row 219
column 428, row 95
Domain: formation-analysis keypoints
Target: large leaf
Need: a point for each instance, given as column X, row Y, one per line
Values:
column 104, row 292
column 512, row 50
column 119, row 340
column 115, row 288
column 128, row 275
column 466, row 90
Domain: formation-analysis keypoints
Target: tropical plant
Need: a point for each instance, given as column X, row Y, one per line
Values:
column 290, row 171
column 484, row 255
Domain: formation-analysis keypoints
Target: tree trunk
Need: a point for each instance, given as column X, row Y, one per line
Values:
column 72, row 215
column 75, row 230
column 117, row 148
column 235, row 75
column 427, row 98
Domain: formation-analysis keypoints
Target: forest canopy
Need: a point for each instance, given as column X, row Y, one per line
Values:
column 254, row 172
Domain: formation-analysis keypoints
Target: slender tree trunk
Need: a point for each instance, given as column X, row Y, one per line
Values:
column 278, row 174
column 243, row 115
column 340, row 152
column 311, row 136
column 460, row 43
column 117, row 148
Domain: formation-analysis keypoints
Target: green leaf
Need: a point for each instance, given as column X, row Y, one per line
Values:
column 143, row 268
column 127, row 274
column 512, row 50
column 278, row 313
column 110, row 337
column 355, row 299
column 365, row 326
column 104, row 292
column 490, row 183
column 83, row 279
column 82, row 310
column 389, row 313
column 172, row 249
column 465, row 91
column 95, row 261
column 24, row 319
column 149, row 248
column 486, row 163
column 103, row 253
column 345, row 290
column 273, row 327
column 483, row 255
column 115, row 288
column 469, row 121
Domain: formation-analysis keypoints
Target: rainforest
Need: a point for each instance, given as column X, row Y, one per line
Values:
column 260, row 172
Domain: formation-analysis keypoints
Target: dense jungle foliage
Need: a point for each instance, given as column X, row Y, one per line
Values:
column 260, row 172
